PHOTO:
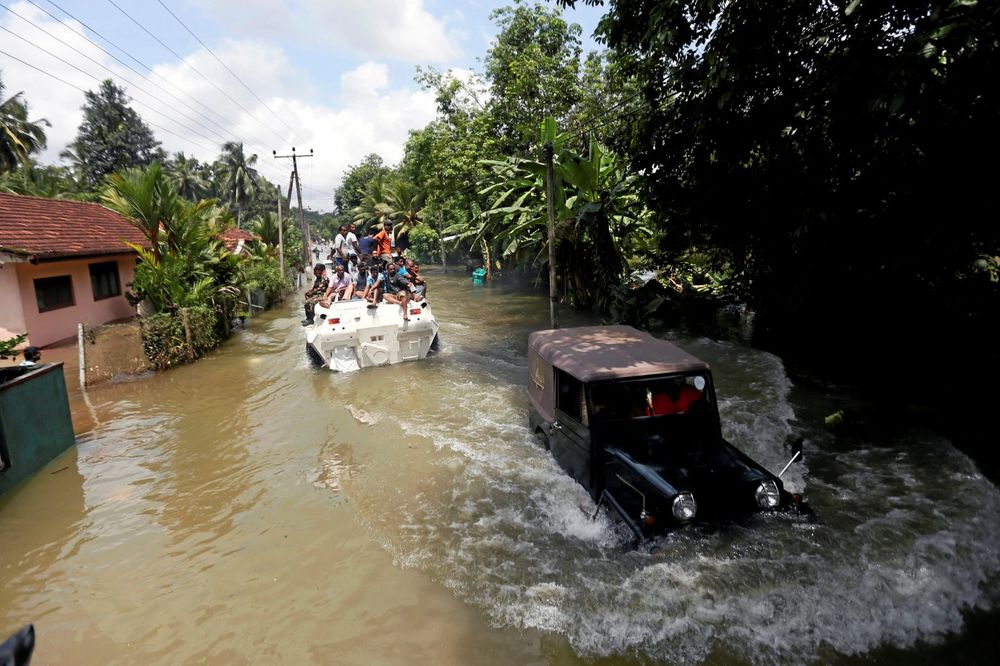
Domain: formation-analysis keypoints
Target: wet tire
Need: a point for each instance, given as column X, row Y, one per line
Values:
column 435, row 345
column 542, row 440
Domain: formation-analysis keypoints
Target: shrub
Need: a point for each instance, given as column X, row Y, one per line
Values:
column 164, row 340
column 266, row 275
column 8, row 345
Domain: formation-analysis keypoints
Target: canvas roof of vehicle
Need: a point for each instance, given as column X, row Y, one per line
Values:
column 597, row 353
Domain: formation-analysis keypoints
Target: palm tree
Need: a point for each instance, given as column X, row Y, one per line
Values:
column 374, row 207
column 239, row 176
column 146, row 199
column 19, row 137
column 187, row 176
column 266, row 226
column 407, row 202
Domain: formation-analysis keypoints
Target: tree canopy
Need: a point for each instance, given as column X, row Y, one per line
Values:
column 112, row 136
column 825, row 153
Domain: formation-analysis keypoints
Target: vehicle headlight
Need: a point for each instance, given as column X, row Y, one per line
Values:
column 684, row 506
column 767, row 495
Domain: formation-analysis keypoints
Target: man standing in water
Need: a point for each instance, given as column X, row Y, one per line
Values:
column 315, row 295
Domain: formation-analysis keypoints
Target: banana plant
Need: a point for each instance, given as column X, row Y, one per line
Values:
column 596, row 206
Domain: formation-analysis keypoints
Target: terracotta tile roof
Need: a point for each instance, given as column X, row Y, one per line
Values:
column 232, row 237
column 48, row 228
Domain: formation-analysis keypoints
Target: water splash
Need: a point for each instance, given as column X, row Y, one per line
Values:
column 902, row 550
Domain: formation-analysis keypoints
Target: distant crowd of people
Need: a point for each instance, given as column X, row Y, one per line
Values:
column 365, row 269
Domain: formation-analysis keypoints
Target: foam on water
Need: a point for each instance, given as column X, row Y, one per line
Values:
column 905, row 544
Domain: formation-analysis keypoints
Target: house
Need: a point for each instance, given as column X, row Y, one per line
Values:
column 237, row 240
column 62, row 263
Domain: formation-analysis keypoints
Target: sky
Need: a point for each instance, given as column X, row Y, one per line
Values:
column 334, row 76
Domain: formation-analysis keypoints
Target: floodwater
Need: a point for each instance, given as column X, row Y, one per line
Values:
column 252, row 508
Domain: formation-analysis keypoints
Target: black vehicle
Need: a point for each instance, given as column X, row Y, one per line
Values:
column 634, row 419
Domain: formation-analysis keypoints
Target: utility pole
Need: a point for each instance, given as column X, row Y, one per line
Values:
column 551, row 209
column 306, row 237
column 281, row 239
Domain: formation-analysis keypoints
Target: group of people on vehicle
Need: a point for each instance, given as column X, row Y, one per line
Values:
column 366, row 269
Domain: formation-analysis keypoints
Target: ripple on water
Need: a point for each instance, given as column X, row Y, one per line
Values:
column 899, row 554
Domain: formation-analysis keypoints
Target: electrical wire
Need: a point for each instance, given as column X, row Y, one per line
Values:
column 72, row 85
column 139, row 62
column 86, row 73
column 196, row 71
column 219, row 60
column 113, row 73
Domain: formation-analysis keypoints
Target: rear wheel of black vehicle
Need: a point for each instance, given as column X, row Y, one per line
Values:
column 542, row 439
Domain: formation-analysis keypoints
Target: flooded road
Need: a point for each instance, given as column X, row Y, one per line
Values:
column 252, row 508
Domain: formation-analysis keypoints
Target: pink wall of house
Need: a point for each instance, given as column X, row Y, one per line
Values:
column 44, row 328
column 11, row 312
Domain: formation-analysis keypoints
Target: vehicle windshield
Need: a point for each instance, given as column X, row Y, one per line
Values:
column 664, row 419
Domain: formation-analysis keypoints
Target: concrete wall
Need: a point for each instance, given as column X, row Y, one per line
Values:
column 11, row 311
column 44, row 328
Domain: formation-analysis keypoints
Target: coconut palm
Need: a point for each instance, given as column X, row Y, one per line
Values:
column 406, row 201
column 266, row 227
column 19, row 137
column 146, row 199
column 239, row 177
column 188, row 177
column 374, row 207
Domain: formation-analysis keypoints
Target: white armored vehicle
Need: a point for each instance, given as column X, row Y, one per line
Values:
column 350, row 335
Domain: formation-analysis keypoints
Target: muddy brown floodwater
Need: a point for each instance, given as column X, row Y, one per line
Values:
column 252, row 508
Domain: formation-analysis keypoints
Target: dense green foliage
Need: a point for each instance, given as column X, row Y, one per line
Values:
column 165, row 342
column 112, row 136
column 825, row 152
column 425, row 244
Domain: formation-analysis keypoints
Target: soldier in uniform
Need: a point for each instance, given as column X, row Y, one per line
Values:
column 315, row 295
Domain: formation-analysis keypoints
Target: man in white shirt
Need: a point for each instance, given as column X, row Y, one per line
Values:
column 349, row 245
column 338, row 246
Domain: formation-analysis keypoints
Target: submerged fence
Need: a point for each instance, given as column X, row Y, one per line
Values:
column 110, row 350
column 158, row 341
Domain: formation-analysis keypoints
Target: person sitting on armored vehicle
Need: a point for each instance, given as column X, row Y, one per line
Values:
column 397, row 290
column 317, row 293
column 373, row 285
column 419, row 282
column 341, row 287
column 354, row 271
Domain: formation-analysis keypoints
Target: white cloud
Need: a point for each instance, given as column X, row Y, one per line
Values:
column 371, row 116
column 381, row 29
column 365, row 82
